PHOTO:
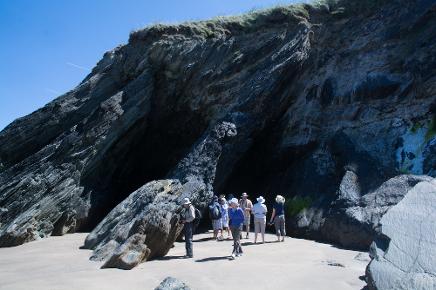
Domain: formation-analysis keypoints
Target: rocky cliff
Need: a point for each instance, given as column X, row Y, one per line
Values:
column 323, row 95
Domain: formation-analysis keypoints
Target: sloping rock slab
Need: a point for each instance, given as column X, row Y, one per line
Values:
column 404, row 254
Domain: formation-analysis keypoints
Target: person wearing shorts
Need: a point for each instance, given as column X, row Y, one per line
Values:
column 215, row 216
column 246, row 205
column 278, row 218
column 259, row 213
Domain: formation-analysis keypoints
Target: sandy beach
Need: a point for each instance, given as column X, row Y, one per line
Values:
column 58, row 263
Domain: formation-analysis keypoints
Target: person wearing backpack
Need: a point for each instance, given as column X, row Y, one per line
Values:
column 187, row 218
column 215, row 216
column 225, row 217
column 197, row 219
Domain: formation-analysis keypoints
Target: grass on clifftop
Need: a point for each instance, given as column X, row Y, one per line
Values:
column 256, row 20
column 348, row 7
column 248, row 22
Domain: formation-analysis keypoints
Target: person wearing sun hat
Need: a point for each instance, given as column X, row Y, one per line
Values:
column 236, row 217
column 187, row 218
column 246, row 206
column 278, row 218
column 259, row 212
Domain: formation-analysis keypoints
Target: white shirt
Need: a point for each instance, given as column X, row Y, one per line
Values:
column 259, row 210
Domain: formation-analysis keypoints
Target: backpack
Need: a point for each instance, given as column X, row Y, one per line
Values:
column 214, row 211
column 198, row 216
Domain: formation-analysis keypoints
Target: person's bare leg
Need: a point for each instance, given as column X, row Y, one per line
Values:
column 247, row 227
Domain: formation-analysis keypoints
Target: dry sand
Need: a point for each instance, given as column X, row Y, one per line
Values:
column 58, row 263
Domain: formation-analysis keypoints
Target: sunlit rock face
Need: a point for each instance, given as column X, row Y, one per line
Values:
column 315, row 91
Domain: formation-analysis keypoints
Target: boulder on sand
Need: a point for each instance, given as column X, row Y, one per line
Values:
column 404, row 253
column 353, row 220
column 132, row 252
column 170, row 283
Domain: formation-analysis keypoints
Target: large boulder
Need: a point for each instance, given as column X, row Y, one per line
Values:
column 404, row 253
column 352, row 220
column 129, row 254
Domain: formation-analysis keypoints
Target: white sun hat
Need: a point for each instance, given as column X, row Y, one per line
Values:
column 186, row 201
column 280, row 199
column 260, row 199
column 234, row 200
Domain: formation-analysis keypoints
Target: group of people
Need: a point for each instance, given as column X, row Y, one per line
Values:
column 234, row 217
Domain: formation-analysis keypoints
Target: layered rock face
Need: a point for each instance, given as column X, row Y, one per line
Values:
column 404, row 253
column 316, row 92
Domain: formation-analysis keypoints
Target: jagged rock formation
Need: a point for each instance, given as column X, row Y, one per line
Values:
column 170, row 283
column 152, row 211
column 404, row 253
column 353, row 220
column 313, row 90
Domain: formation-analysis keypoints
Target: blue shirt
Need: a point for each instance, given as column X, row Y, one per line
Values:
column 280, row 208
column 236, row 217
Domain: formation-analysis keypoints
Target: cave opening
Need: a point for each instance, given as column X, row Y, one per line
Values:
column 147, row 151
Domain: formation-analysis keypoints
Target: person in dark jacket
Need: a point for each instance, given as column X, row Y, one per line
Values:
column 187, row 218
column 236, row 217
column 278, row 218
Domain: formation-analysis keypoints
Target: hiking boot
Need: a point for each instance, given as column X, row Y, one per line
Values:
column 232, row 257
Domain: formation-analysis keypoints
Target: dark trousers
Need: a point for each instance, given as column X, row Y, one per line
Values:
column 188, row 228
column 236, row 231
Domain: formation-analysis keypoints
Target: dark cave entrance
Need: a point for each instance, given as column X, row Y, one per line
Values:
column 145, row 152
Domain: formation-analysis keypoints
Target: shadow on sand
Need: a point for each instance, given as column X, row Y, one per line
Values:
column 258, row 243
column 204, row 240
column 165, row 258
column 210, row 259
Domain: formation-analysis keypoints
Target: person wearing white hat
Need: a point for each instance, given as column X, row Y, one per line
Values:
column 187, row 218
column 278, row 218
column 246, row 206
column 259, row 212
column 236, row 216
column 225, row 217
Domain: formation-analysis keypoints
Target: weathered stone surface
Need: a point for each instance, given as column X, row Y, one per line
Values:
column 404, row 253
column 170, row 283
column 353, row 220
column 153, row 210
column 312, row 89
column 129, row 254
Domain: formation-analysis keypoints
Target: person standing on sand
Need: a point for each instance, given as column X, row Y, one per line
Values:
column 246, row 206
column 215, row 216
column 225, row 217
column 236, row 216
column 259, row 212
column 188, row 217
column 278, row 217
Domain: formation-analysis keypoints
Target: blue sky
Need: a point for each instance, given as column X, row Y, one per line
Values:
column 49, row 46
